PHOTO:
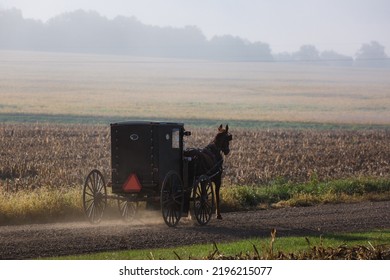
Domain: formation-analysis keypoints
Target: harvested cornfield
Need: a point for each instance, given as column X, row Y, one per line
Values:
column 56, row 156
column 260, row 156
column 300, row 155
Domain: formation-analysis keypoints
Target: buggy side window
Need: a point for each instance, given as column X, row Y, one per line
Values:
column 175, row 138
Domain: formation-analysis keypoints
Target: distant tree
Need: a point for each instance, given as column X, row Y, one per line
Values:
column 307, row 53
column 80, row 31
column 373, row 50
column 372, row 55
column 89, row 32
column 227, row 46
column 283, row 57
column 262, row 51
column 332, row 55
column 236, row 48
column 19, row 33
column 334, row 58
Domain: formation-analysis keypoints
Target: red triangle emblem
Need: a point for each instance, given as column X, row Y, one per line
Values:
column 132, row 184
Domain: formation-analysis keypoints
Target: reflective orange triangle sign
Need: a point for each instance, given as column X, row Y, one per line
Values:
column 132, row 184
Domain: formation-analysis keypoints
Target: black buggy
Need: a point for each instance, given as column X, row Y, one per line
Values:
column 148, row 165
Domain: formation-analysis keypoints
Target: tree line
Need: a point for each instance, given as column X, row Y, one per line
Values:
column 89, row 32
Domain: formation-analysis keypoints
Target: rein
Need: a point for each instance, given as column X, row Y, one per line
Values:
column 214, row 150
column 216, row 173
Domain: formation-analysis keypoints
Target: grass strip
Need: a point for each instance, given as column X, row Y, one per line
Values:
column 40, row 205
column 280, row 193
column 363, row 245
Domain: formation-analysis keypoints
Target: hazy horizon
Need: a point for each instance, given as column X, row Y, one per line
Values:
column 341, row 26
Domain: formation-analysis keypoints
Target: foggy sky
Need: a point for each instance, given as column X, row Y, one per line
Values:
column 340, row 25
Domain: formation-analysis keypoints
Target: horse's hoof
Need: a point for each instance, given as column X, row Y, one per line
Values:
column 219, row 217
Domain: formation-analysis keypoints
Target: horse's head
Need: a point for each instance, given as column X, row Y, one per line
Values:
column 223, row 138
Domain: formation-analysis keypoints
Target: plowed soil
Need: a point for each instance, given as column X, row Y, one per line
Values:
column 44, row 240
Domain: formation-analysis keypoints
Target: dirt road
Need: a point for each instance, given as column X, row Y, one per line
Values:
column 33, row 241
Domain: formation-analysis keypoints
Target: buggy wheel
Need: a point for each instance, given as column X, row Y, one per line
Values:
column 94, row 196
column 127, row 209
column 203, row 197
column 172, row 198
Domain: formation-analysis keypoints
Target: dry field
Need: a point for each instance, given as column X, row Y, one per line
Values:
column 60, row 156
column 115, row 86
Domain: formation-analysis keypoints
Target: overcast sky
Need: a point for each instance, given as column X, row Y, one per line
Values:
column 340, row 25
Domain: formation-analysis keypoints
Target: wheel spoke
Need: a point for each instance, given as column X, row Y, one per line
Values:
column 93, row 181
column 90, row 185
column 100, row 185
column 89, row 194
column 127, row 209
column 89, row 209
column 87, row 201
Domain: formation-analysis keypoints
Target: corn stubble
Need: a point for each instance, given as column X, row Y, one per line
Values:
column 60, row 156
column 34, row 156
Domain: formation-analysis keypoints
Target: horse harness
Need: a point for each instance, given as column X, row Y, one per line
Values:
column 212, row 156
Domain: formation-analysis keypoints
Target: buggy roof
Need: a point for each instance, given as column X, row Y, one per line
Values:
column 157, row 123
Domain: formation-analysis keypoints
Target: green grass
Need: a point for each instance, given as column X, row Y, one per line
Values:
column 248, row 247
column 40, row 206
column 284, row 193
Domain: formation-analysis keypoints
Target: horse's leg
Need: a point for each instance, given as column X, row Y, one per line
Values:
column 218, row 183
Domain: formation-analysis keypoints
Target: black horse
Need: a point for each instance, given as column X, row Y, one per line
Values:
column 209, row 161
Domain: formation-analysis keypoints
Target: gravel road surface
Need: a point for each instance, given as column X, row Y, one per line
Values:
column 44, row 240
